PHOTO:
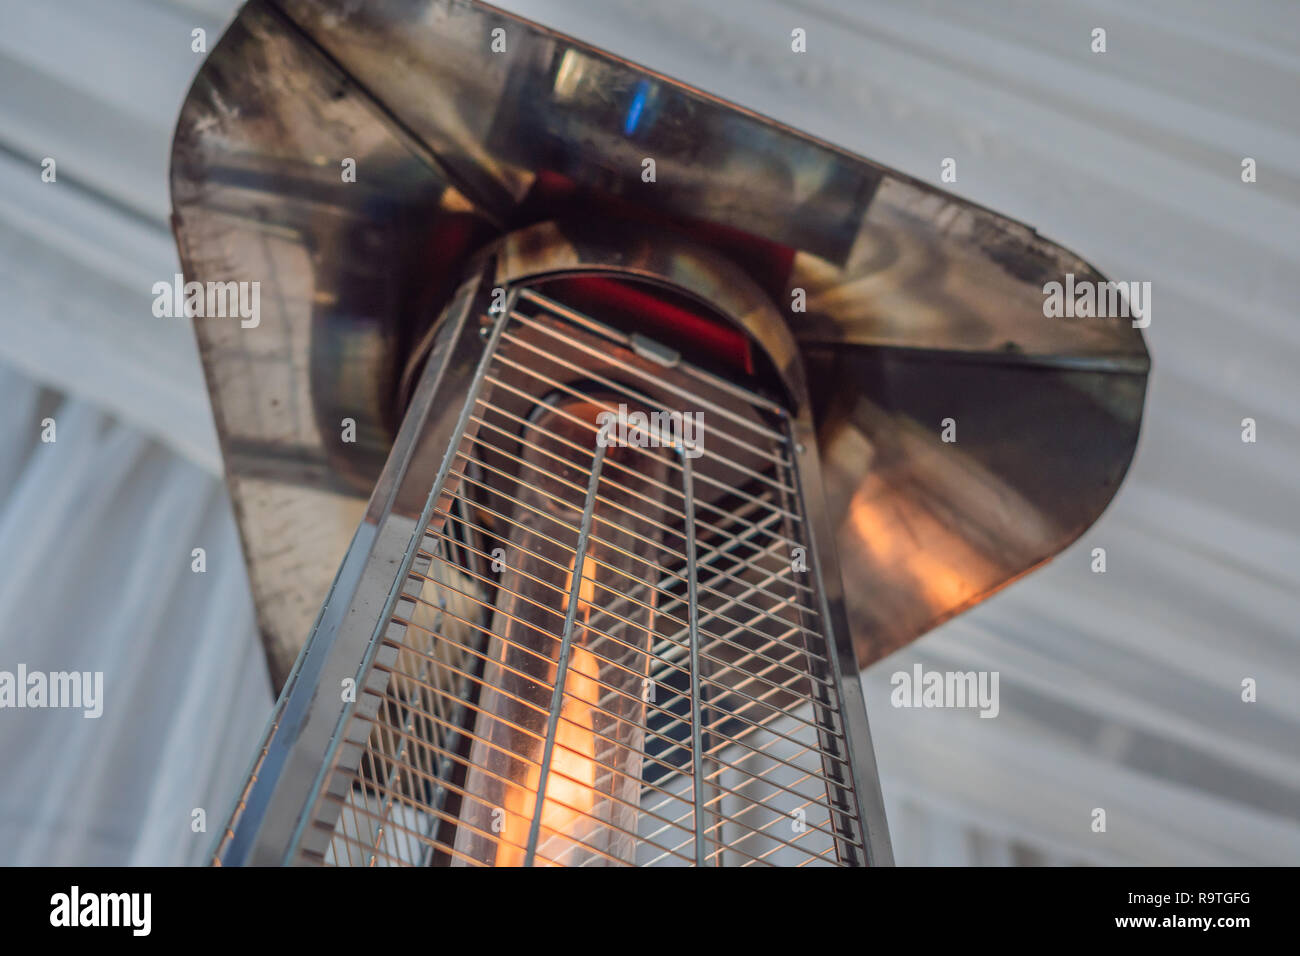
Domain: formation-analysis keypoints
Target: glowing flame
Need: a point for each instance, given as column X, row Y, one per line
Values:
column 571, row 792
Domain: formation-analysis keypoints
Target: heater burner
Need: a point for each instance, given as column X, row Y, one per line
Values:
column 609, row 642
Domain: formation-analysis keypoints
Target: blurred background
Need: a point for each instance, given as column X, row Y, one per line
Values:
column 1119, row 691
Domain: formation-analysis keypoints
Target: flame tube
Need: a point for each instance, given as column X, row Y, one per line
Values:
column 593, row 784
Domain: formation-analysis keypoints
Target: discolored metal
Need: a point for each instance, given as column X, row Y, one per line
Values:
column 919, row 306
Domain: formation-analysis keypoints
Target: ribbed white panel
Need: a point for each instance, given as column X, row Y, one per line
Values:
column 96, row 529
column 97, row 86
column 96, row 536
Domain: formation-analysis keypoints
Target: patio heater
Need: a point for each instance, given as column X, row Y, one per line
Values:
column 593, row 434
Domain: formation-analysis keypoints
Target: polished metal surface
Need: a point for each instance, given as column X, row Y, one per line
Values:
column 305, row 723
column 655, row 670
column 920, row 307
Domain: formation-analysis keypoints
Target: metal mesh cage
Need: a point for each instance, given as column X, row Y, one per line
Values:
column 608, row 643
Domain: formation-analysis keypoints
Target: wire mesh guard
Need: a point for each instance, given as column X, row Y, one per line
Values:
column 609, row 648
